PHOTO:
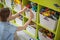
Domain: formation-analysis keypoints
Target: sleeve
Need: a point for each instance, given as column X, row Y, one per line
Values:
column 1, row 31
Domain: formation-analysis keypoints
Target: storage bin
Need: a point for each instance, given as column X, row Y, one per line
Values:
column 50, row 23
column 31, row 30
column 23, row 36
column 41, row 37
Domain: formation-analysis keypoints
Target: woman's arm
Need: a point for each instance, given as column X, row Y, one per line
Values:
column 27, row 23
column 17, row 14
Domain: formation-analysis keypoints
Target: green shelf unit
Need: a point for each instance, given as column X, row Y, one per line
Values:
column 57, row 36
column 49, row 4
column 37, row 21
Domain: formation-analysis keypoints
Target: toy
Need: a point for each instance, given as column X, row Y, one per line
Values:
column 46, row 33
column 34, row 7
column 28, row 5
column 46, row 12
column 17, row 1
column 50, row 35
column 42, row 10
column 49, row 13
column 53, row 15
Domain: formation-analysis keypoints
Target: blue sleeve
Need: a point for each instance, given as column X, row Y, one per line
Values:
column 1, row 30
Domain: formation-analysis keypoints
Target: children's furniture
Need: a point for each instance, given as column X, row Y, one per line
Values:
column 50, row 4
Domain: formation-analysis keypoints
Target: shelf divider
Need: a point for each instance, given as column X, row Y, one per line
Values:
column 57, row 36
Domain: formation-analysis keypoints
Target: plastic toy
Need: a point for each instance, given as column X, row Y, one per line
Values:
column 46, row 12
column 46, row 33
column 53, row 15
column 50, row 35
column 49, row 13
column 34, row 7
column 42, row 10
column 17, row 1
column 28, row 6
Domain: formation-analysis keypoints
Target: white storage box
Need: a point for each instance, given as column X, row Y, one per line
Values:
column 19, row 22
column 17, row 8
column 51, row 24
column 23, row 36
column 31, row 30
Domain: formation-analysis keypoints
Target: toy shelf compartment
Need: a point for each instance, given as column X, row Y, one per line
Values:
column 24, row 36
column 33, row 6
column 50, row 4
column 46, row 28
column 46, row 34
column 31, row 30
column 54, row 4
column 49, row 22
column 16, row 9
column 42, row 37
